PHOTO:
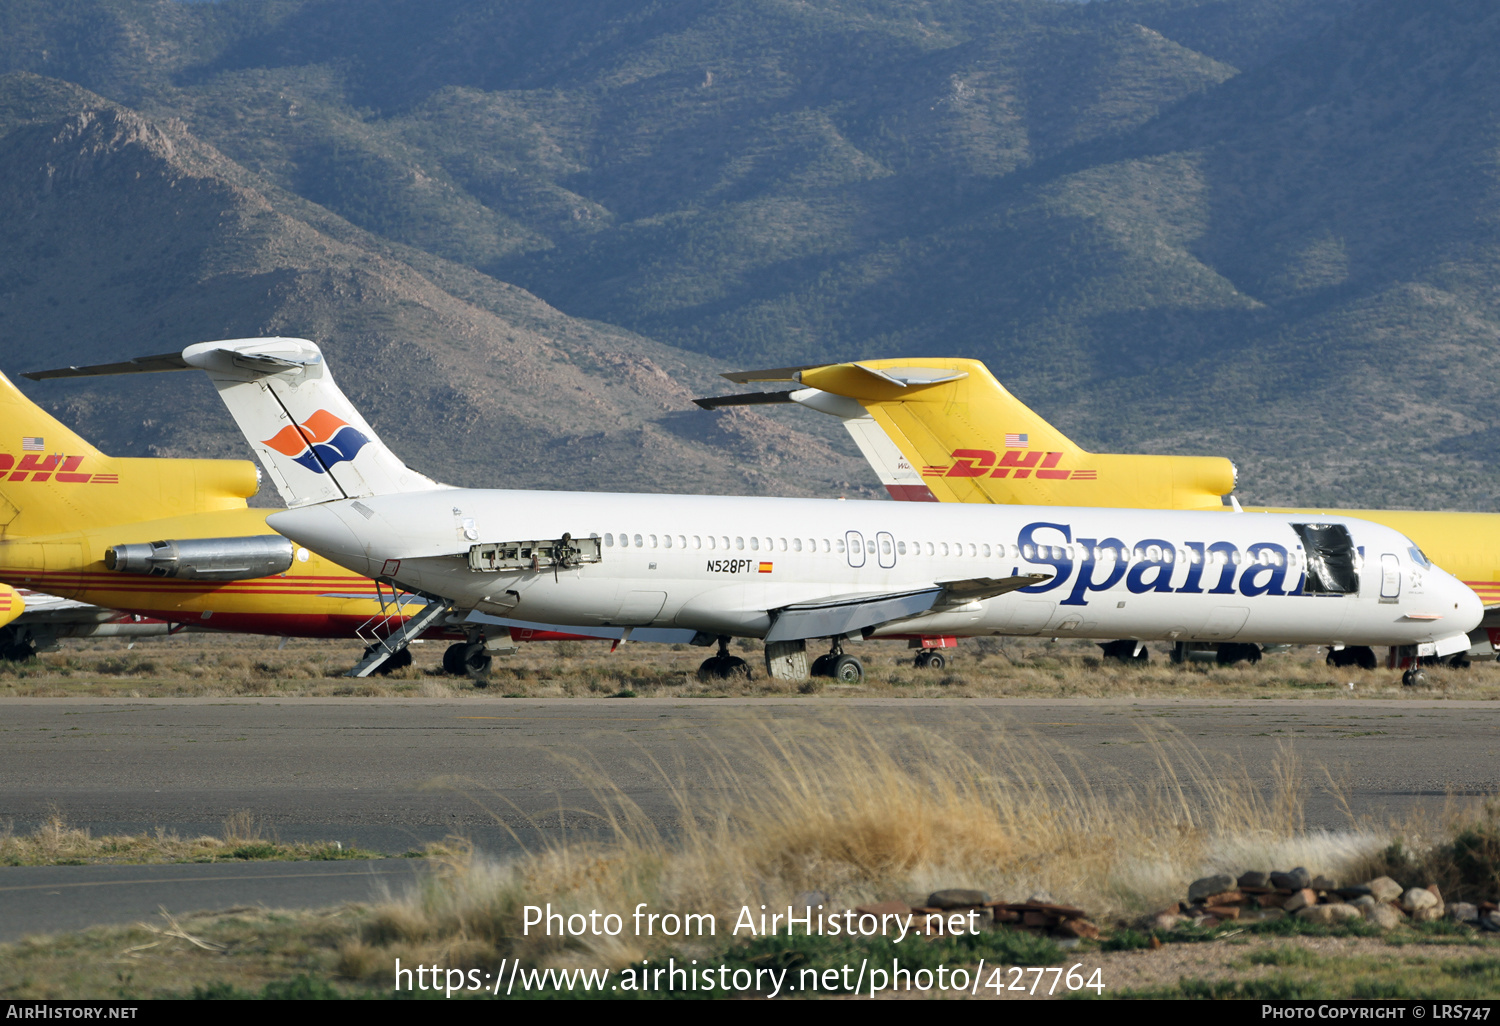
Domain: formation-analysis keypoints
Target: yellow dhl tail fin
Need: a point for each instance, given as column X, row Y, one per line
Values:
column 52, row 481
column 972, row 441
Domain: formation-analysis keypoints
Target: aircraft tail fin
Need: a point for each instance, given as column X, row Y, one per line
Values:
column 969, row 439
column 307, row 434
column 52, row 480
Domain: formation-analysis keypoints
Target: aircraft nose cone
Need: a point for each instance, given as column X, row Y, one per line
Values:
column 1470, row 610
column 321, row 529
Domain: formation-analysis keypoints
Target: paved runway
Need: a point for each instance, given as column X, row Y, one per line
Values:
column 390, row 774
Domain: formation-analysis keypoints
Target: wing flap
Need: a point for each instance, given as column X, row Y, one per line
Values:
column 840, row 615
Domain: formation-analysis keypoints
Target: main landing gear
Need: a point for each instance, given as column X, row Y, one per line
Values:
column 392, row 663
column 1126, row 651
column 845, row 669
column 723, row 666
column 469, row 659
column 927, row 659
column 1362, row 656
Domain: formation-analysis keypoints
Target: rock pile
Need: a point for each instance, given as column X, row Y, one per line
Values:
column 950, row 911
column 1257, row 897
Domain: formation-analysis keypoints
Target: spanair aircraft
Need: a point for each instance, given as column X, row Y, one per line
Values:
column 153, row 546
column 946, row 430
column 794, row 570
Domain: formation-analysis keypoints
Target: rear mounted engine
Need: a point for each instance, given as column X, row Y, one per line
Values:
column 205, row 559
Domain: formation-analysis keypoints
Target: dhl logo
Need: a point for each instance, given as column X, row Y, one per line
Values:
column 984, row 463
column 319, row 442
column 46, row 468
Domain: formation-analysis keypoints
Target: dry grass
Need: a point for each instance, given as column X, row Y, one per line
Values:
column 855, row 814
column 863, row 817
column 210, row 665
column 55, row 843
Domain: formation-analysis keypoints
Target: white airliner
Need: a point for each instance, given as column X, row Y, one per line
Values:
column 792, row 570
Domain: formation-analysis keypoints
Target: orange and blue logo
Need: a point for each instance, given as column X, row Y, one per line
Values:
column 319, row 442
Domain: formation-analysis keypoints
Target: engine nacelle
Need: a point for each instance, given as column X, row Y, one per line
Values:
column 205, row 559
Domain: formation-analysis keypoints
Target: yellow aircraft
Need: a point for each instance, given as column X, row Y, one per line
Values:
column 946, row 430
column 173, row 541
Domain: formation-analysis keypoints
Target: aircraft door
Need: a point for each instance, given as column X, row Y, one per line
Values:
column 1390, row 578
column 854, row 546
column 885, row 544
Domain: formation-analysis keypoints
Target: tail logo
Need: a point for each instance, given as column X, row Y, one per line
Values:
column 984, row 463
column 318, row 442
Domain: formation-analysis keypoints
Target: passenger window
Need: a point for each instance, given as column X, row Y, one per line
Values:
column 638, row 543
column 986, row 552
column 781, row 544
column 666, row 541
column 796, row 544
column 609, row 540
column 697, row 541
column 653, row 541
column 681, row 542
column 870, row 546
column 827, row 547
column 710, row 541
column 724, row 542
column 945, row 547
column 901, row 548
column 739, row 542
column 838, row 545
column 1028, row 551
column 885, row 547
column 754, row 544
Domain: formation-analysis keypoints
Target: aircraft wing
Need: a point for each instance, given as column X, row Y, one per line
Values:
column 839, row 615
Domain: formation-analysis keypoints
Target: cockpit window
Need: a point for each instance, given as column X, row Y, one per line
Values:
column 1420, row 558
column 1330, row 559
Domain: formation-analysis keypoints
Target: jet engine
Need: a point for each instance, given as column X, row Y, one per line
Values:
column 205, row 559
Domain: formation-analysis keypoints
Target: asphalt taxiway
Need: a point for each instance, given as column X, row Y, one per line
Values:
column 392, row 774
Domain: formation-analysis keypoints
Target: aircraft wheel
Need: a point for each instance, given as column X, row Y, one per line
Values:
column 921, row 660
column 848, row 670
column 723, row 668
column 1179, row 653
column 1460, row 661
column 1232, row 652
column 935, row 661
column 1124, row 651
column 1364, row 656
column 396, row 662
column 453, row 658
column 477, row 663
column 822, row 666
column 1414, row 678
column 18, row 653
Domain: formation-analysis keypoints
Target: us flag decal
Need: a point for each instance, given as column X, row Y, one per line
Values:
column 29, row 444
column 1015, row 441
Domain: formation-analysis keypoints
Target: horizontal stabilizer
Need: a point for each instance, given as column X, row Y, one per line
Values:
column 139, row 365
column 713, row 402
column 773, row 374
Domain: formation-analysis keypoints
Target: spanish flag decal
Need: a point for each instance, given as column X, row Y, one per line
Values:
column 765, row 568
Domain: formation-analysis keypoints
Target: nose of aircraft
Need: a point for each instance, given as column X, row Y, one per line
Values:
column 322, row 529
column 1468, row 609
